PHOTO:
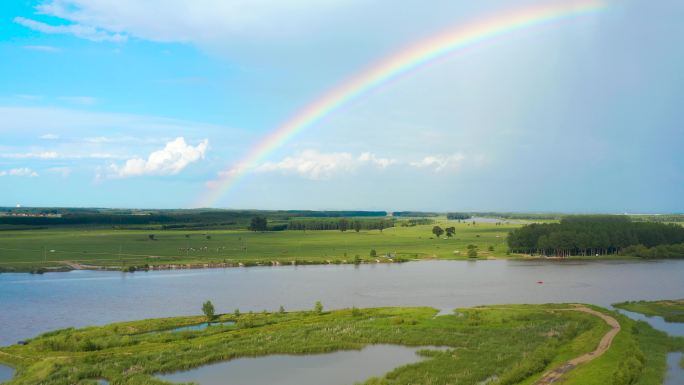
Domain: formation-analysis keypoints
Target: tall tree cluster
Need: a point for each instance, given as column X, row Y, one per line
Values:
column 342, row 224
column 591, row 235
column 258, row 224
column 458, row 216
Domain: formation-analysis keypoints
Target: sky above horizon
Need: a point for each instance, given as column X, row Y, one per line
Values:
column 147, row 104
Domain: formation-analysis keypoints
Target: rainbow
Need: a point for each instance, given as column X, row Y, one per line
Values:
column 408, row 59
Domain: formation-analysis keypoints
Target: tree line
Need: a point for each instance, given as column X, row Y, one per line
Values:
column 655, row 252
column 169, row 219
column 342, row 224
column 591, row 235
column 458, row 216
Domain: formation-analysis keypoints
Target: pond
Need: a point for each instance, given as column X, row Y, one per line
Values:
column 336, row 368
column 193, row 328
column 671, row 328
column 675, row 373
column 33, row 304
column 6, row 373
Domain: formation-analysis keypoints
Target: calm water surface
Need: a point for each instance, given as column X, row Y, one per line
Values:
column 675, row 373
column 337, row 368
column 33, row 304
column 671, row 328
column 5, row 373
column 197, row 327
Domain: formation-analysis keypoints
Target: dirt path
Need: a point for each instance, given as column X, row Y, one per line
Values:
column 603, row 346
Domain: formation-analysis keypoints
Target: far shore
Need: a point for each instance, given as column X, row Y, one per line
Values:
column 67, row 266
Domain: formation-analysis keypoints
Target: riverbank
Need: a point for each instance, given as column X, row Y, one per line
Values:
column 527, row 340
column 48, row 250
column 67, row 266
column 670, row 310
column 58, row 250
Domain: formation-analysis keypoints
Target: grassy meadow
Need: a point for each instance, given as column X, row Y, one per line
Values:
column 511, row 344
column 27, row 250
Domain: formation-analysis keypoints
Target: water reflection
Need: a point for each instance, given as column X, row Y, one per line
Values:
column 6, row 373
column 199, row 327
column 671, row 328
column 337, row 368
column 440, row 284
column 675, row 373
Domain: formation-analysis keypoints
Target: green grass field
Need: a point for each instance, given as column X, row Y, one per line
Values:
column 512, row 344
column 29, row 249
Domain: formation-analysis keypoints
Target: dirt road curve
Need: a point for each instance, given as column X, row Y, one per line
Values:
column 555, row 374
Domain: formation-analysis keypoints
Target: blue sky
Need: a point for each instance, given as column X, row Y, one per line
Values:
column 143, row 104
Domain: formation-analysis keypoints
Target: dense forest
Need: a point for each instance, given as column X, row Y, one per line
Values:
column 592, row 235
column 167, row 219
column 655, row 252
column 415, row 214
column 458, row 216
column 342, row 224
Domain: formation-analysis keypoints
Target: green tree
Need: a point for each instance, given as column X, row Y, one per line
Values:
column 208, row 310
column 438, row 231
column 343, row 224
column 357, row 226
column 373, row 253
column 450, row 231
column 281, row 310
column 472, row 253
column 236, row 312
column 258, row 223
column 151, row 237
column 318, row 307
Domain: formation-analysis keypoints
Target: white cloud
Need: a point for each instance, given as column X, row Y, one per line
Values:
column 78, row 30
column 49, row 136
column 440, row 162
column 312, row 164
column 49, row 155
column 31, row 155
column 62, row 171
column 171, row 160
column 373, row 159
column 79, row 100
column 193, row 21
column 43, row 48
column 22, row 171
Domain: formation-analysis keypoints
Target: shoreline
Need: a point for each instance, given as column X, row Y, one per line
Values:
column 68, row 266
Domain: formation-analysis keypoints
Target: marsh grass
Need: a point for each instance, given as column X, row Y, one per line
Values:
column 511, row 344
column 670, row 310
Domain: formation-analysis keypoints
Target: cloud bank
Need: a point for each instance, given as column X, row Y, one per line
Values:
column 77, row 30
column 21, row 171
column 185, row 21
column 316, row 165
column 170, row 160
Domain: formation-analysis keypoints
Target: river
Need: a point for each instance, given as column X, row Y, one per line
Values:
column 32, row 304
